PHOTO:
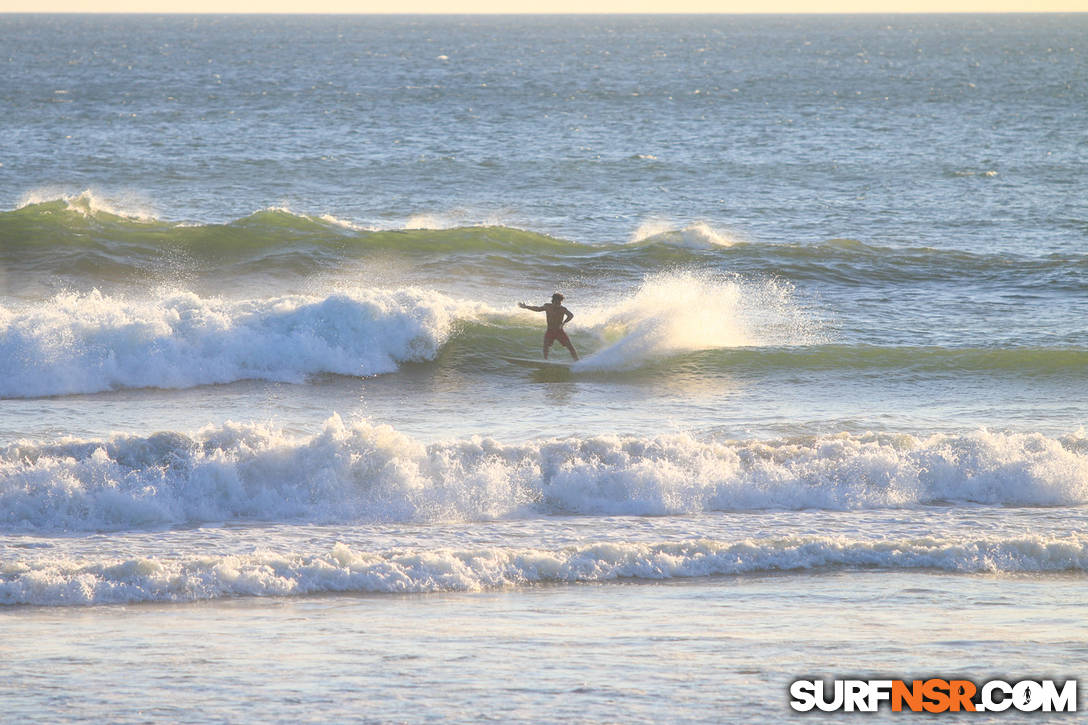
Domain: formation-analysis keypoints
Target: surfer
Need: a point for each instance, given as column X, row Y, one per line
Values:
column 557, row 315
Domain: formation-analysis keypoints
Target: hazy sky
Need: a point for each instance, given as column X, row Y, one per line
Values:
column 541, row 6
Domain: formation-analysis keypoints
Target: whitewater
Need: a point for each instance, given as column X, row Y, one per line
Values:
column 261, row 455
column 362, row 472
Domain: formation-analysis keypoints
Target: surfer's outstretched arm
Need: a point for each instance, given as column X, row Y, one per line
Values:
column 524, row 306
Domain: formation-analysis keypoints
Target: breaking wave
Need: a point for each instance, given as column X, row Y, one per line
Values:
column 671, row 324
column 85, row 343
column 362, row 472
column 62, row 581
column 90, row 342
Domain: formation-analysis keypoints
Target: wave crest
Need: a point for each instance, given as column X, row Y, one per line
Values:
column 684, row 312
column 52, row 581
column 88, row 203
column 698, row 235
column 88, row 237
column 90, row 342
column 366, row 472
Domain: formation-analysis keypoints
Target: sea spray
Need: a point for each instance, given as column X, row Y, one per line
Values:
column 361, row 472
column 89, row 342
column 698, row 235
column 86, row 342
column 126, row 205
column 687, row 311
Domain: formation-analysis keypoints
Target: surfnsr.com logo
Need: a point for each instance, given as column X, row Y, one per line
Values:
column 934, row 695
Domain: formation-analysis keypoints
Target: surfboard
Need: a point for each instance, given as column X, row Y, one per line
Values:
column 538, row 364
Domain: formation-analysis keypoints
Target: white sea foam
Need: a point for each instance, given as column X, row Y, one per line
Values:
column 345, row 224
column 89, row 202
column 362, row 472
column 47, row 580
column 429, row 221
column 88, row 342
column 650, row 228
column 321, row 218
column 698, row 235
column 452, row 219
column 989, row 173
column 686, row 311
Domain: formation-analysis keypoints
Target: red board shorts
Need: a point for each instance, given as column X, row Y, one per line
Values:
column 552, row 335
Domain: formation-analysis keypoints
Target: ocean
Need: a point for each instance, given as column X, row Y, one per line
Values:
column 261, row 455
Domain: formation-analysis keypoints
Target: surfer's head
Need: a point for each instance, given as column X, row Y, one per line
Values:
column 557, row 298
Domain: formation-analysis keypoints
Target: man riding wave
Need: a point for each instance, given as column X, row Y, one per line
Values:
column 557, row 316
